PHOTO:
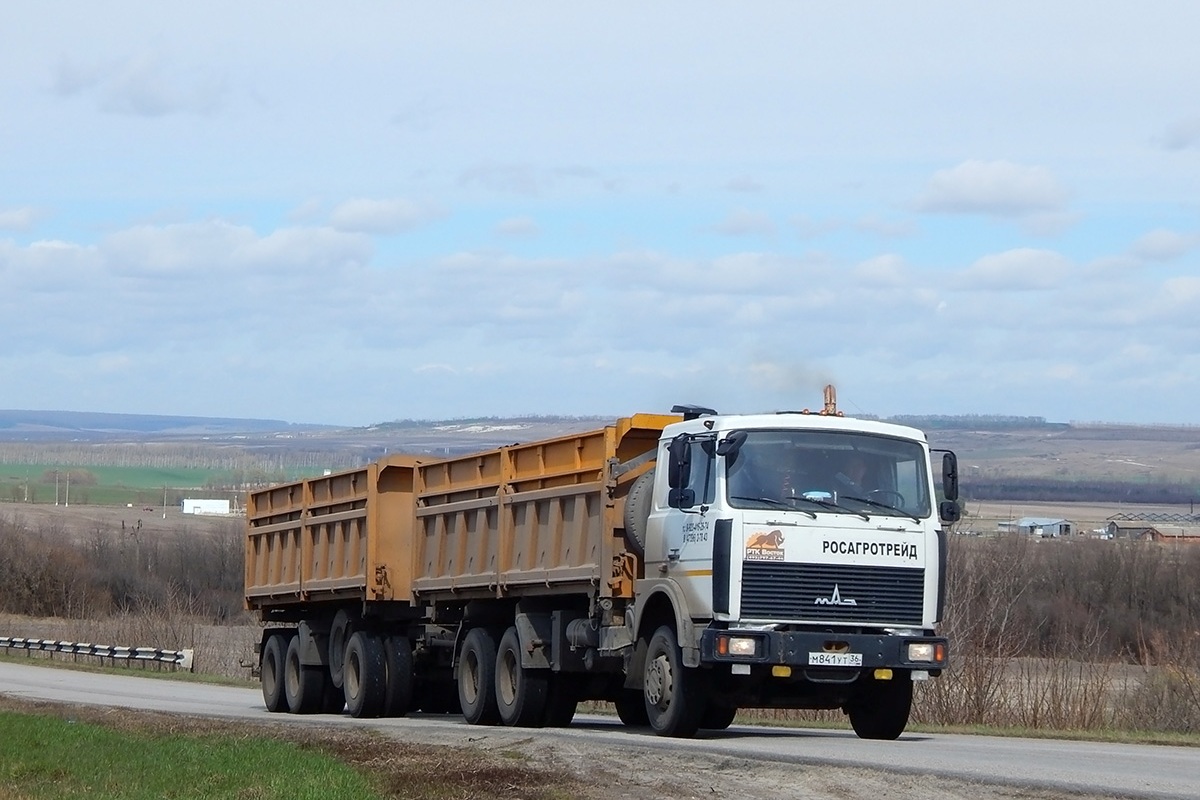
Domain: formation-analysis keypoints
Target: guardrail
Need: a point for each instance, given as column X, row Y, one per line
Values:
column 181, row 659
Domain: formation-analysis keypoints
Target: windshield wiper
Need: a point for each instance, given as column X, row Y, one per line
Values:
column 878, row 504
column 771, row 501
column 830, row 504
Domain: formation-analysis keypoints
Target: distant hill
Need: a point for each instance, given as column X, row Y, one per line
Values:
column 19, row 425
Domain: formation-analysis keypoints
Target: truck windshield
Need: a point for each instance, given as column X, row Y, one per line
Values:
column 838, row 472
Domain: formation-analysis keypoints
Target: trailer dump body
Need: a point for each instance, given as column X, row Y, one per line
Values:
column 680, row 567
column 519, row 519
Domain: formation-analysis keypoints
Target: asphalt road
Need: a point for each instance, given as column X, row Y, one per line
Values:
column 1107, row 770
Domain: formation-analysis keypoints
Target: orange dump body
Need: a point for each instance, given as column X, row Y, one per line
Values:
column 536, row 518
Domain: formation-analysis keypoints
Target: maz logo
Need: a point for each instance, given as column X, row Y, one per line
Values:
column 835, row 599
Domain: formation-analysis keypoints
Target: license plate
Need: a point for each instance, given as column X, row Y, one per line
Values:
column 835, row 659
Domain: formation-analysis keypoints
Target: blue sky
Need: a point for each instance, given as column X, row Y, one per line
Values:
column 372, row 211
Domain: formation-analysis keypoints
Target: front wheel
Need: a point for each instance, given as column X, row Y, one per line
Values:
column 717, row 718
column 674, row 694
column 880, row 711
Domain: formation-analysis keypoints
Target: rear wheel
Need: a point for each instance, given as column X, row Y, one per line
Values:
column 881, row 709
column 339, row 635
column 333, row 699
column 520, row 692
column 364, row 678
column 301, row 685
column 477, row 678
column 673, row 693
column 271, row 670
column 631, row 709
column 562, row 699
column 399, row 691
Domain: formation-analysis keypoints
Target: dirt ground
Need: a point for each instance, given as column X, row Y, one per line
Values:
column 512, row 766
column 154, row 521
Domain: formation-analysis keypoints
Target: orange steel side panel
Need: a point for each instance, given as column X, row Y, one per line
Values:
column 529, row 518
column 342, row 535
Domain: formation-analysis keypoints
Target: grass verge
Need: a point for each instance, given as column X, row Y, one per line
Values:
column 49, row 750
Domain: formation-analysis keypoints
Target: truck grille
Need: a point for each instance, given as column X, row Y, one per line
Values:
column 880, row 595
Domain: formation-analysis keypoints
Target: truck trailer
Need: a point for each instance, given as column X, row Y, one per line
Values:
column 680, row 566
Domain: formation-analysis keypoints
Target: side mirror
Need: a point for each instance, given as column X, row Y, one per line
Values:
column 679, row 469
column 948, row 511
column 681, row 498
column 731, row 444
column 949, row 476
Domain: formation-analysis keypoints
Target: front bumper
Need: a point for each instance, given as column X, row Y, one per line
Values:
column 821, row 649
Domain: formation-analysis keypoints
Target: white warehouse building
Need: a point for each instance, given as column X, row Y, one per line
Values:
column 205, row 506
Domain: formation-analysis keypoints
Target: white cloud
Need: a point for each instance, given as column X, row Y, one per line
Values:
column 994, row 188
column 1164, row 245
column 885, row 271
column 517, row 227
column 1182, row 134
column 744, row 222
column 1023, row 269
column 885, row 228
column 17, row 219
column 744, row 184
column 367, row 215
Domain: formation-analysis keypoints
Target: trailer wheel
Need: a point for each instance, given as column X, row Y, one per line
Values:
column 271, row 669
column 562, row 700
column 637, row 511
column 339, row 635
column 477, row 678
column 301, row 685
column 673, row 693
column 399, row 676
column 631, row 709
column 333, row 699
column 364, row 678
column 880, row 711
column 520, row 693
column 717, row 718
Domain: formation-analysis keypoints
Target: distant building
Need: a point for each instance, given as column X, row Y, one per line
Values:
column 1046, row 527
column 206, row 506
column 1181, row 534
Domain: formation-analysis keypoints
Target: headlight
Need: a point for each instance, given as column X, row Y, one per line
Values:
column 927, row 652
column 745, row 646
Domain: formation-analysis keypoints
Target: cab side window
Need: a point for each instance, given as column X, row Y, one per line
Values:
column 702, row 477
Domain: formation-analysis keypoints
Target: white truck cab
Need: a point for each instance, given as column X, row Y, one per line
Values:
column 806, row 557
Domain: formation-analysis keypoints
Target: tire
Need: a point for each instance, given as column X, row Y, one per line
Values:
column 398, row 694
column 520, row 693
column 271, row 669
column 477, row 678
column 637, row 511
column 717, row 718
column 631, row 709
column 333, row 699
column 302, row 686
column 881, row 709
column 364, row 677
column 673, row 693
column 562, row 700
column 339, row 635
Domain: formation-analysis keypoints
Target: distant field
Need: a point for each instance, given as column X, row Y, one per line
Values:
column 105, row 485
